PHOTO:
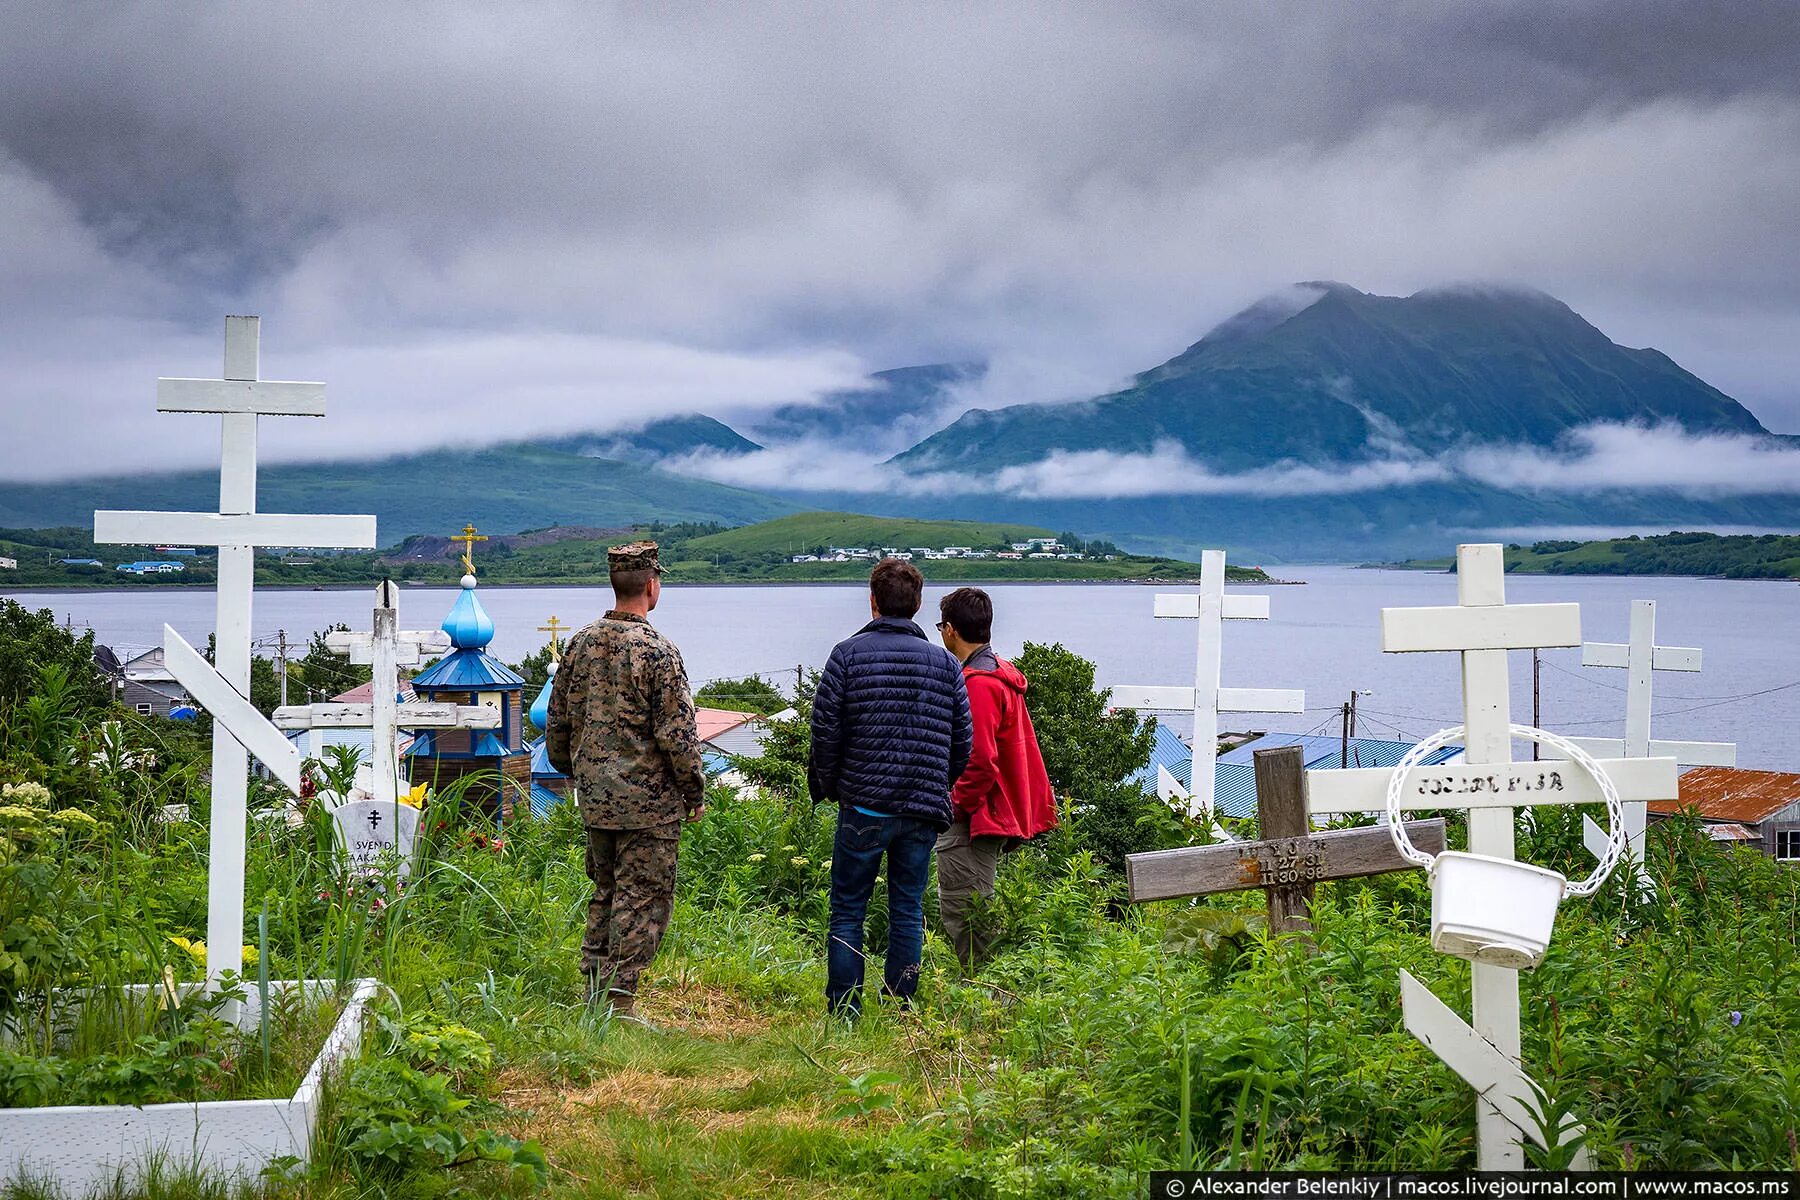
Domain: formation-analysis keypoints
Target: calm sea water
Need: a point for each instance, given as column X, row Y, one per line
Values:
column 1323, row 637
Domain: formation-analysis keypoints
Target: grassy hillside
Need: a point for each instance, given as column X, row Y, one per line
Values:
column 1769, row 556
column 805, row 533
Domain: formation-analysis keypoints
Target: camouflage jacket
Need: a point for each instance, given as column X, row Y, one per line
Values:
column 621, row 725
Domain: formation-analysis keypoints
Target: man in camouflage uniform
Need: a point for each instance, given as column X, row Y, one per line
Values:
column 621, row 725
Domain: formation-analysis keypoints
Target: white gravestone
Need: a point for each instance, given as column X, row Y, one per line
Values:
column 1640, row 658
column 1486, row 782
column 376, row 833
column 386, row 649
column 1207, row 699
column 237, row 529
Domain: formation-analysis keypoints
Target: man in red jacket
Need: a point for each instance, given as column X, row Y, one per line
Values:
column 1003, row 796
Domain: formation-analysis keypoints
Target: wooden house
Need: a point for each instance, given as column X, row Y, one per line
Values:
column 1767, row 803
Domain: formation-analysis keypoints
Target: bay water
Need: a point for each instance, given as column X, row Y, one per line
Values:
column 1324, row 636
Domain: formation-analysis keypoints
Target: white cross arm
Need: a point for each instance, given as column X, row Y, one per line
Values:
column 1662, row 658
column 1494, row 785
column 1235, row 608
column 409, row 646
column 406, row 716
column 1242, row 700
column 239, row 529
column 1480, row 627
column 266, row 397
column 1495, row 1077
column 1692, row 754
column 231, row 709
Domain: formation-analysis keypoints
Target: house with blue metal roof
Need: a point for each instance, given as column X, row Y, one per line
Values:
column 470, row 675
column 1234, row 774
column 549, row 786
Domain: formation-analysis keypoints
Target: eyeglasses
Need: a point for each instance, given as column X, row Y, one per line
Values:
column 943, row 625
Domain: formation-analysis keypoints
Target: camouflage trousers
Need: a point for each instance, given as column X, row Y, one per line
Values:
column 634, row 885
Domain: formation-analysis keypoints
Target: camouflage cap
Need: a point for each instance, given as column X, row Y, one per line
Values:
column 633, row 556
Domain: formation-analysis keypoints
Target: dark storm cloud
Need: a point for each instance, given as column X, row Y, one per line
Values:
column 478, row 220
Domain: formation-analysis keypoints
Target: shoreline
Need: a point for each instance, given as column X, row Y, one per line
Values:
column 47, row 589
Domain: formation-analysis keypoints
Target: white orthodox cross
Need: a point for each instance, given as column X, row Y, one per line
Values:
column 1640, row 658
column 1210, row 608
column 1482, row 627
column 237, row 529
column 386, row 649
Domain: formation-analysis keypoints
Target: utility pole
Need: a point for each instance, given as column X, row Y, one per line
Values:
column 1536, row 701
column 1348, row 707
column 281, row 662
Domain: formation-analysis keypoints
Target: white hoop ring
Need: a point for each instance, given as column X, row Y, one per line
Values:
column 1609, row 794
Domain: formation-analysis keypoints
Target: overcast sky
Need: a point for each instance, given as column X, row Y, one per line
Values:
column 480, row 221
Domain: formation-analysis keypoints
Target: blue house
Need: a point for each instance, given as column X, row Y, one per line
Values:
column 468, row 674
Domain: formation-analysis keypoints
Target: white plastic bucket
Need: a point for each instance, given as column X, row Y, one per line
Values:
column 1494, row 911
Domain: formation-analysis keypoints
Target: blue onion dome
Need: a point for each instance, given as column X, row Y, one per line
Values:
column 540, row 708
column 469, row 626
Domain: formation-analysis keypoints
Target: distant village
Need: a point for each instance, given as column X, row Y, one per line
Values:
column 1040, row 548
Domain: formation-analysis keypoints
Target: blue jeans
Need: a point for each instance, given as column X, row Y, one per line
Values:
column 855, row 862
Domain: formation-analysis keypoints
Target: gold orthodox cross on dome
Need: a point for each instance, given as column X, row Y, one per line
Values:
column 468, row 537
column 554, row 628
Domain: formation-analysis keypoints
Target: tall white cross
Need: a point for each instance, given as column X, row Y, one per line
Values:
column 385, row 650
column 237, row 529
column 1210, row 608
column 1482, row 627
column 1640, row 658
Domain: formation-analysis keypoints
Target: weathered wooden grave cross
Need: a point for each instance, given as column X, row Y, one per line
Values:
column 237, row 529
column 1209, row 608
column 1289, row 859
column 1486, row 782
column 385, row 649
column 1640, row 658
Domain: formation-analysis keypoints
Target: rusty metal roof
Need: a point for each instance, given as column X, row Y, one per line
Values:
column 1731, row 831
column 1733, row 794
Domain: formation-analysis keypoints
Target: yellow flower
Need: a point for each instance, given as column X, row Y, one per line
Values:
column 797, row 860
column 197, row 952
column 826, row 864
column 414, row 798
column 27, row 795
column 72, row 819
column 758, row 857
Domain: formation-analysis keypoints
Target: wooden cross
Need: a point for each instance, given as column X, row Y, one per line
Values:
column 554, row 628
column 1210, row 607
column 1486, row 782
column 386, row 649
column 468, row 537
column 1640, row 658
column 237, row 529
column 1289, row 859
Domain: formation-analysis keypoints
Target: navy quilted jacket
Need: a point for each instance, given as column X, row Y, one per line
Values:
column 890, row 723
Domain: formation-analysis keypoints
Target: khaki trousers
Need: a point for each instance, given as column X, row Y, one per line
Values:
column 966, row 867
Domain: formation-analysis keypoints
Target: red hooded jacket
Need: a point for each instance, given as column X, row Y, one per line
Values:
column 1004, row 791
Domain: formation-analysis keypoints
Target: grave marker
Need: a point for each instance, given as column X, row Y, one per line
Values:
column 386, row 649
column 1286, row 862
column 1640, row 658
column 1482, row 628
column 1210, row 608
column 237, row 529
column 373, row 830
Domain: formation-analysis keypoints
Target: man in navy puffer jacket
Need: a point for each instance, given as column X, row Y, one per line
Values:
column 890, row 734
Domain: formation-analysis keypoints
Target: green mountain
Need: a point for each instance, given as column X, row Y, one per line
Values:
column 503, row 489
column 1327, row 375
column 670, row 437
column 904, row 399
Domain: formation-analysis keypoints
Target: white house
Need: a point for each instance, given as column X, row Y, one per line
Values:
column 806, row 558
column 9, row 564
column 957, row 551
